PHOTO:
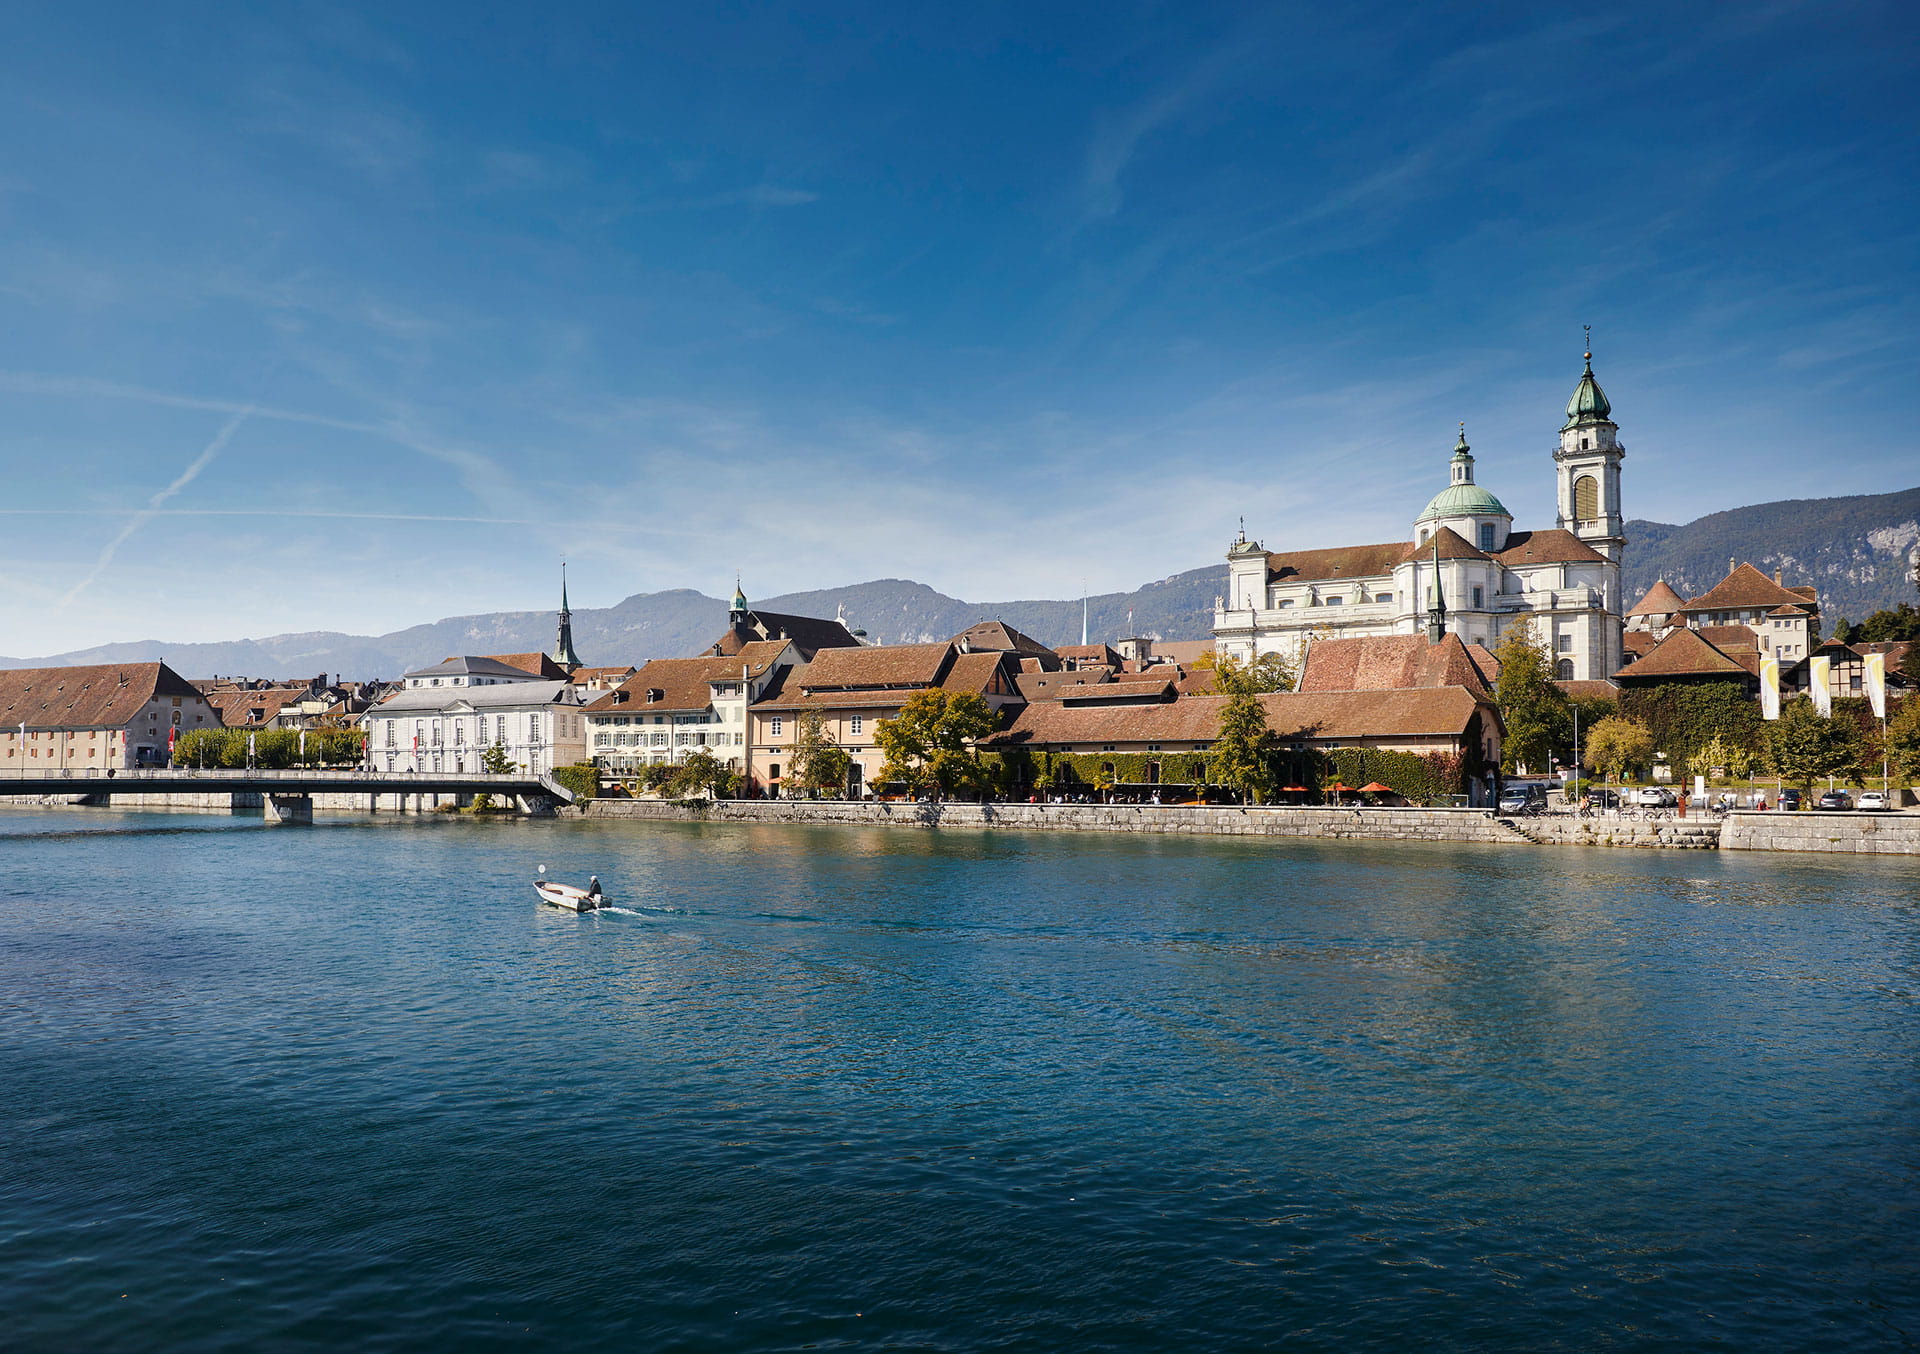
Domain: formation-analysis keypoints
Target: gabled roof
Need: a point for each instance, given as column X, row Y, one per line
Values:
column 1141, row 692
column 478, row 697
column 1451, row 544
column 1101, row 655
column 1552, row 546
column 1639, row 643
column 1789, row 611
column 101, row 695
column 237, row 707
column 879, row 666
column 1047, row 686
column 685, row 684
column 809, row 634
column 998, row 635
column 1686, row 653
column 1746, row 588
column 1660, row 600
column 1583, row 689
column 1389, row 662
column 538, row 664
column 1339, row 563
column 469, row 666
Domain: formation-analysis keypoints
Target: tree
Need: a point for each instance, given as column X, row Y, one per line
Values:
column 1910, row 665
column 1615, row 746
column 1802, row 746
column 1734, row 757
column 1237, row 677
column 1239, row 757
column 1845, row 633
column 701, row 776
column 495, row 760
column 1533, row 709
column 816, row 764
column 933, row 741
column 1903, row 737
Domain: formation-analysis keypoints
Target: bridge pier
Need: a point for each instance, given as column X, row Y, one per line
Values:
column 536, row 806
column 288, row 808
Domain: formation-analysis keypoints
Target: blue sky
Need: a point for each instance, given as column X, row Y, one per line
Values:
column 348, row 317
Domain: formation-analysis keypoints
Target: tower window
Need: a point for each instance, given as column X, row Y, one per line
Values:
column 1586, row 498
column 1478, row 599
column 1486, row 535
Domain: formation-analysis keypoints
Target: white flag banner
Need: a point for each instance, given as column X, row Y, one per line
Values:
column 1876, row 665
column 1769, row 687
column 1817, row 686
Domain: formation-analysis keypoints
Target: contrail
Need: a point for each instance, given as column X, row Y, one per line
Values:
column 146, row 514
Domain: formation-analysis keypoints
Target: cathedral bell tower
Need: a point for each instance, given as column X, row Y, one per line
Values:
column 1588, row 461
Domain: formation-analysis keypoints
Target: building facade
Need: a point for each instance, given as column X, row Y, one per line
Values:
column 105, row 716
column 447, row 716
column 1466, row 570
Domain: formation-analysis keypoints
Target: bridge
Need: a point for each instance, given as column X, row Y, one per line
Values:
column 287, row 795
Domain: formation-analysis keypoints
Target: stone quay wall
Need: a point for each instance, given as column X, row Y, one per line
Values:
column 1860, row 834
column 1894, row 834
column 1429, row 825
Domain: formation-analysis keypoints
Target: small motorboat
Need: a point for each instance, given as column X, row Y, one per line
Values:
column 567, row 896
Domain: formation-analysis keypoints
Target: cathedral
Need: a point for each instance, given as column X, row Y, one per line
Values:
column 1466, row 571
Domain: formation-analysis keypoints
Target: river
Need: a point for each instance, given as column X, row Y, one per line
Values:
column 350, row 1086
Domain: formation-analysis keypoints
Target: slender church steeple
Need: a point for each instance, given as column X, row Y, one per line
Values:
column 1437, row 597
column 563, row 653
column 1588, row 460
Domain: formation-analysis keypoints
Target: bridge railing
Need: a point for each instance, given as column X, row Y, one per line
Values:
column 189, row 773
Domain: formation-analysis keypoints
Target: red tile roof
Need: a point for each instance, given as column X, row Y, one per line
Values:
column 538, row 664
column 1338, row 563
column 1383, row 662
column 1747, row 589
column 893, row 665
column 1552, row 546
column 1660, row 600
column 684, row 683
column 237, row 708
column 1001, row 636
column 102, row 695
column 809, row 634
column 1452, row 545
column 1686, row 653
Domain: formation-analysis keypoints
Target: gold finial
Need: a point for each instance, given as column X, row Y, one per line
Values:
column 1587, row 342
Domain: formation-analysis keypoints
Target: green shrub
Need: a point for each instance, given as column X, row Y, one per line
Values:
column 583, row 780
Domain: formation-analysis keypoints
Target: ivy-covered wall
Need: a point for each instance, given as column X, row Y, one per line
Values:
column 1418, row 777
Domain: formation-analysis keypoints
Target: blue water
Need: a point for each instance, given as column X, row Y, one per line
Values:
column 349, row 1086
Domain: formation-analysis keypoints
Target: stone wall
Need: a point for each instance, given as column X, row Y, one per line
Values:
column 1668, row 834
column 1865, row 834
column 1432, row 825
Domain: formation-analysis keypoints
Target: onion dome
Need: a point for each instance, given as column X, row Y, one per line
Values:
column 1589, row 402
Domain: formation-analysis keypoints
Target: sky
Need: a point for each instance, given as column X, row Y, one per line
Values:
column 349, row 317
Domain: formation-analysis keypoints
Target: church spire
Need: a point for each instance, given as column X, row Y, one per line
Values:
column 563, row 653
column 1589, row 403
column 1437, row 602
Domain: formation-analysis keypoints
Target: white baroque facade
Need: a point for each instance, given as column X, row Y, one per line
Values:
column 448, row 715
column 1466, row 571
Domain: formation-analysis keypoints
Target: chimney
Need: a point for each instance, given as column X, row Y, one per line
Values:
column 1776, row 578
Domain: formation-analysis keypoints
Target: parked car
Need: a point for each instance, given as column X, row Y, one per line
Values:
column 1835, row 799
column 1875, row 800
column 1655, row 797
column 1521, row 798
column 1603, row 799
column 1789, row 799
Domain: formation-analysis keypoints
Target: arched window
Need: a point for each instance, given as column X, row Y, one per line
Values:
column 1563, row 670
column 1586, row 498
column 1486, row 535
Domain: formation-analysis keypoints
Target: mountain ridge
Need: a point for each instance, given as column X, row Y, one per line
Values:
column 1858, row 550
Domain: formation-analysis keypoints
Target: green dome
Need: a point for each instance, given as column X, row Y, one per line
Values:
column 1589, row 402
column 1463, row 500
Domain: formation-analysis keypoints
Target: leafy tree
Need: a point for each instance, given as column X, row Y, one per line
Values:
column 933, row 741
column 1737, row 758
column 1802, row 746
column 1531, row 706
column 816, row 764
column 1616, row 746
column 1844, row 632
column 1910, row 665
column 702, row 776
column 1903, row 737
column 1901, row 622
column 495, row 760
column 1239, row 757
column 1237, row 677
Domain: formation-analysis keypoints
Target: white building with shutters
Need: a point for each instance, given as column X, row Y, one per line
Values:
column 1466, row 571
column 445, row 717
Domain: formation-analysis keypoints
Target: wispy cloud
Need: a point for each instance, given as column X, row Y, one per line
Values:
column 141, row 518
column 150, row 512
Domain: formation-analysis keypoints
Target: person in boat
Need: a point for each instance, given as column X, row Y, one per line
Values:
column 593, row 886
